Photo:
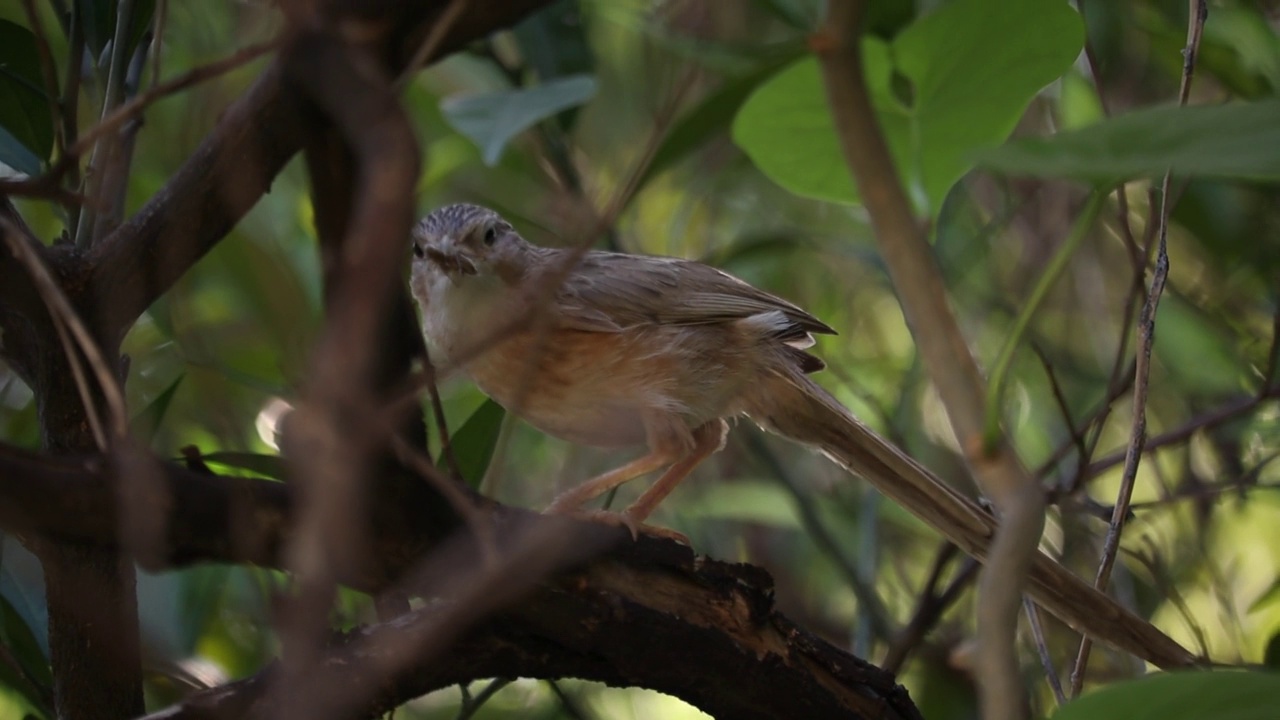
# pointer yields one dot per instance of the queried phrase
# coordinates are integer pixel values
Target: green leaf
(16, 155)
(553, 43)
(1191, 695)
(24, 107)
(491, 120)
(1236, 140)
(952, 82)
(713, 115)
(473, 443)
(19, 640)
(146, 423)
(271, 466)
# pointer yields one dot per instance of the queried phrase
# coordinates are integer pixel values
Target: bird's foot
(624, 519)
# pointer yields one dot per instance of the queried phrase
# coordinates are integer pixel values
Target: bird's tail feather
(790, 404)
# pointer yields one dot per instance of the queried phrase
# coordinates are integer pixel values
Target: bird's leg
(708, 439)
(570, 501)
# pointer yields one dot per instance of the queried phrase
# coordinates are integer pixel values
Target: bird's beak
(450, 257)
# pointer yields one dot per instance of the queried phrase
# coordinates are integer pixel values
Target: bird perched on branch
(611, 349)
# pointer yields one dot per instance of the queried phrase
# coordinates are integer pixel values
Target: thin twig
(1059, 396)
(428, 47)
(1199, 11)
(924, 613)
(442, 425)
(472, 704)
(1046, 659)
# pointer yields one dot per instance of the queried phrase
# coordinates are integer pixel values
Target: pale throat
(463, 310)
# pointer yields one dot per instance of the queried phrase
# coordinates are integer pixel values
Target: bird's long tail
(790, 404)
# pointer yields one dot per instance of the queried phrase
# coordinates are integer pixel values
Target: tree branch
(232, 169)
(647, 614)
(922, 293)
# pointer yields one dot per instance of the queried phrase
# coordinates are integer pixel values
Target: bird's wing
(609, 292)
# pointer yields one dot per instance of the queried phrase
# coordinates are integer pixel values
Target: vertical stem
(945, 354)
(1198, 13)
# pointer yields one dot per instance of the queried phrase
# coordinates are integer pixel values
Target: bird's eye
(490, 236)
(417, 251)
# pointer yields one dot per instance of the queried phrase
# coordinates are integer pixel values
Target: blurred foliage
(651, 146)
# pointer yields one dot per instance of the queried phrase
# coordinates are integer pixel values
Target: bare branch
(1146, 333)
(922, 293)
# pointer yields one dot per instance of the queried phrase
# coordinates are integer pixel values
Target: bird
(632, 350)
(615, 349)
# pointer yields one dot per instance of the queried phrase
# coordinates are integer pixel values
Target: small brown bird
(640, 350)
(613, 349)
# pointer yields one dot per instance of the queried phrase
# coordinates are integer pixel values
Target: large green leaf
(952, 82)
(26, 125)
(491, 120)
(1221, 695)
(1236, 140)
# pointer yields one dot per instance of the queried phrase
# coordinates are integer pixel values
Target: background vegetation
(699, 129)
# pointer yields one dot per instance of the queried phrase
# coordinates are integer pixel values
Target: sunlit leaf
(1191, 695)
(1236, 140)
(491, 120)
(271, 466)
(952, 82)
(25, 118)
(473, 443)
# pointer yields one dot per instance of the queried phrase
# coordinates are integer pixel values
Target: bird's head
(468, 240)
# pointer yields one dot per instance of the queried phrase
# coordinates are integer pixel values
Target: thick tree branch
(647, 614)
(697, 629)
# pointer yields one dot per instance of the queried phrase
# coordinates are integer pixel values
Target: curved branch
(700, 630)
(231, 170)
(646, 614)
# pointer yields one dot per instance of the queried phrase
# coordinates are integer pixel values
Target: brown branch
(324, 433)
(1146, 332)
(922, 293)
(647, 614)
(700, 630)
